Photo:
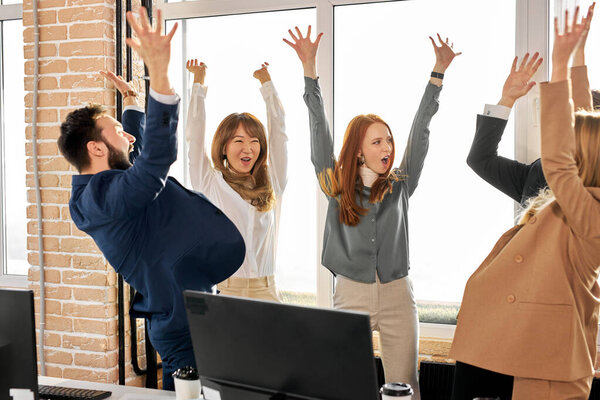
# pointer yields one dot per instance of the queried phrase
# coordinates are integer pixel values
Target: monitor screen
(17, 342)
(282, 350)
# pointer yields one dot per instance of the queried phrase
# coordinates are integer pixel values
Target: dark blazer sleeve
(134, 123)
(508, 176)
(124, 195)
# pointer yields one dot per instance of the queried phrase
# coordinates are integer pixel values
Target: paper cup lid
(186, 373)
(396, 389)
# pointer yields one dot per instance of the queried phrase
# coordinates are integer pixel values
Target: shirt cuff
(267, 89)
(134, 108)
(199, 89)
(169, 99)
(497, 111)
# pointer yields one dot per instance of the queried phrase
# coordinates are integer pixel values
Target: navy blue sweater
(161, 237)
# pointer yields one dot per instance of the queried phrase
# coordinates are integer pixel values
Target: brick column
(76, 41)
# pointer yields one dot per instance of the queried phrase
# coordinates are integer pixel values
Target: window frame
(8, 12)
(531, 34)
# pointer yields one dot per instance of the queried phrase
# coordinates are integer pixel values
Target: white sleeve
(277, 138)
(200, 168)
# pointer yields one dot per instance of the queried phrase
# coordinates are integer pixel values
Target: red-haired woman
(365, 242)
(246, 179)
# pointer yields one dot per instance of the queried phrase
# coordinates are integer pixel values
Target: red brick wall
(77, 39)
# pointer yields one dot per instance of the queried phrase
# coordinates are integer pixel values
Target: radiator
(435, 380)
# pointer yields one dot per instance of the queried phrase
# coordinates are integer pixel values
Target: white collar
(367, 175)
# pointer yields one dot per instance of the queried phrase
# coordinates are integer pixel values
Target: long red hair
(344, 182)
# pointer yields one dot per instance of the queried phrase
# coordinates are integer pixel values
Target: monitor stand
(231, 391)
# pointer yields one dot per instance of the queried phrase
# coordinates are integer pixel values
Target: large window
(376, 57)
(13, 232)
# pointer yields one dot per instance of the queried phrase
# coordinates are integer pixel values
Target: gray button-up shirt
(380, 241)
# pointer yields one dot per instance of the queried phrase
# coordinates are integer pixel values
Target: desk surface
(118, 391)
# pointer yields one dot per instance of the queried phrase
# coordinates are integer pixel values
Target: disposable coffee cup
(187, 383)
(396, 391)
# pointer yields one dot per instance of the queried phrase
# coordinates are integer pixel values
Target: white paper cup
(396, 391)
(187, 389)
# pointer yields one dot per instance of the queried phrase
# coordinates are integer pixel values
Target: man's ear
(96, 148)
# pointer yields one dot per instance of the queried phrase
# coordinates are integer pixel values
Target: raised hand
(198, 69)
(444, 54)
(568, 42)
(153, 47)
(127, 90)
(579, 57)
(262, 74)
(306, 50)
(119, 83)
(519, 81)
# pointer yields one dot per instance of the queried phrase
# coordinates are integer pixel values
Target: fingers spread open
(292, 35)
(318, 39)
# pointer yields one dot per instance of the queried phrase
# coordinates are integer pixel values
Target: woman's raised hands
(574, 35)
(444, 54)
(305, 49)
(262, 74)
(198, 69)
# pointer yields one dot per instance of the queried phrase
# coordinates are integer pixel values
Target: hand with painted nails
(262, 74)
(198, 69)
(153, 47)
(444, 54)
(566, 43)
(519, 81)
(306, 50)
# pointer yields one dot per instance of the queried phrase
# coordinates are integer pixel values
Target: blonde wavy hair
(255, 187)
(587, 159)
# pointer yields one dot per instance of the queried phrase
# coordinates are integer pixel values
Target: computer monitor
(268, 350)
(17, 342)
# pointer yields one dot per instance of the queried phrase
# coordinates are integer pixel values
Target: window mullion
(325, 20)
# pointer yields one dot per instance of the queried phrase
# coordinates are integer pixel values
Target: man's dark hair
(596, 99)
(78, 129)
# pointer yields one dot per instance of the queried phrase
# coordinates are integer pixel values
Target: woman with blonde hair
(246, 179)
(365, 242)
(529, 315)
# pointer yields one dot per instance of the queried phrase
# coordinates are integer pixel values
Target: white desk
(118, 391)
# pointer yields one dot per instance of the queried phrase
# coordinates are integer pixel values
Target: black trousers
(471, 382)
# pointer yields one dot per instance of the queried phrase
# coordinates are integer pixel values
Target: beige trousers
(527, 389)
(262, 288)
(393, 313)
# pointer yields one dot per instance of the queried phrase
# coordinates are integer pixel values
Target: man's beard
(117, 159)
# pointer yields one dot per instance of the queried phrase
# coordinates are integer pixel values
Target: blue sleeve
(134, 123)
(125, 194)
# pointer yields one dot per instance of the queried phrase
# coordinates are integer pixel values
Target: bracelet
(129, 93)
(437, 75)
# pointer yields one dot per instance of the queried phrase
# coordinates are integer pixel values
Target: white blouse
(259, 229)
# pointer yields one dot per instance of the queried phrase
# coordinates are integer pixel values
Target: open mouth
(246, 161)
(385, 160)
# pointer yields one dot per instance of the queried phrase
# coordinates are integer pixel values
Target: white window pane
(383, 58)
(14, 149)
(233, 47)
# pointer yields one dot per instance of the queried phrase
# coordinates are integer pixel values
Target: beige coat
(531, 309)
